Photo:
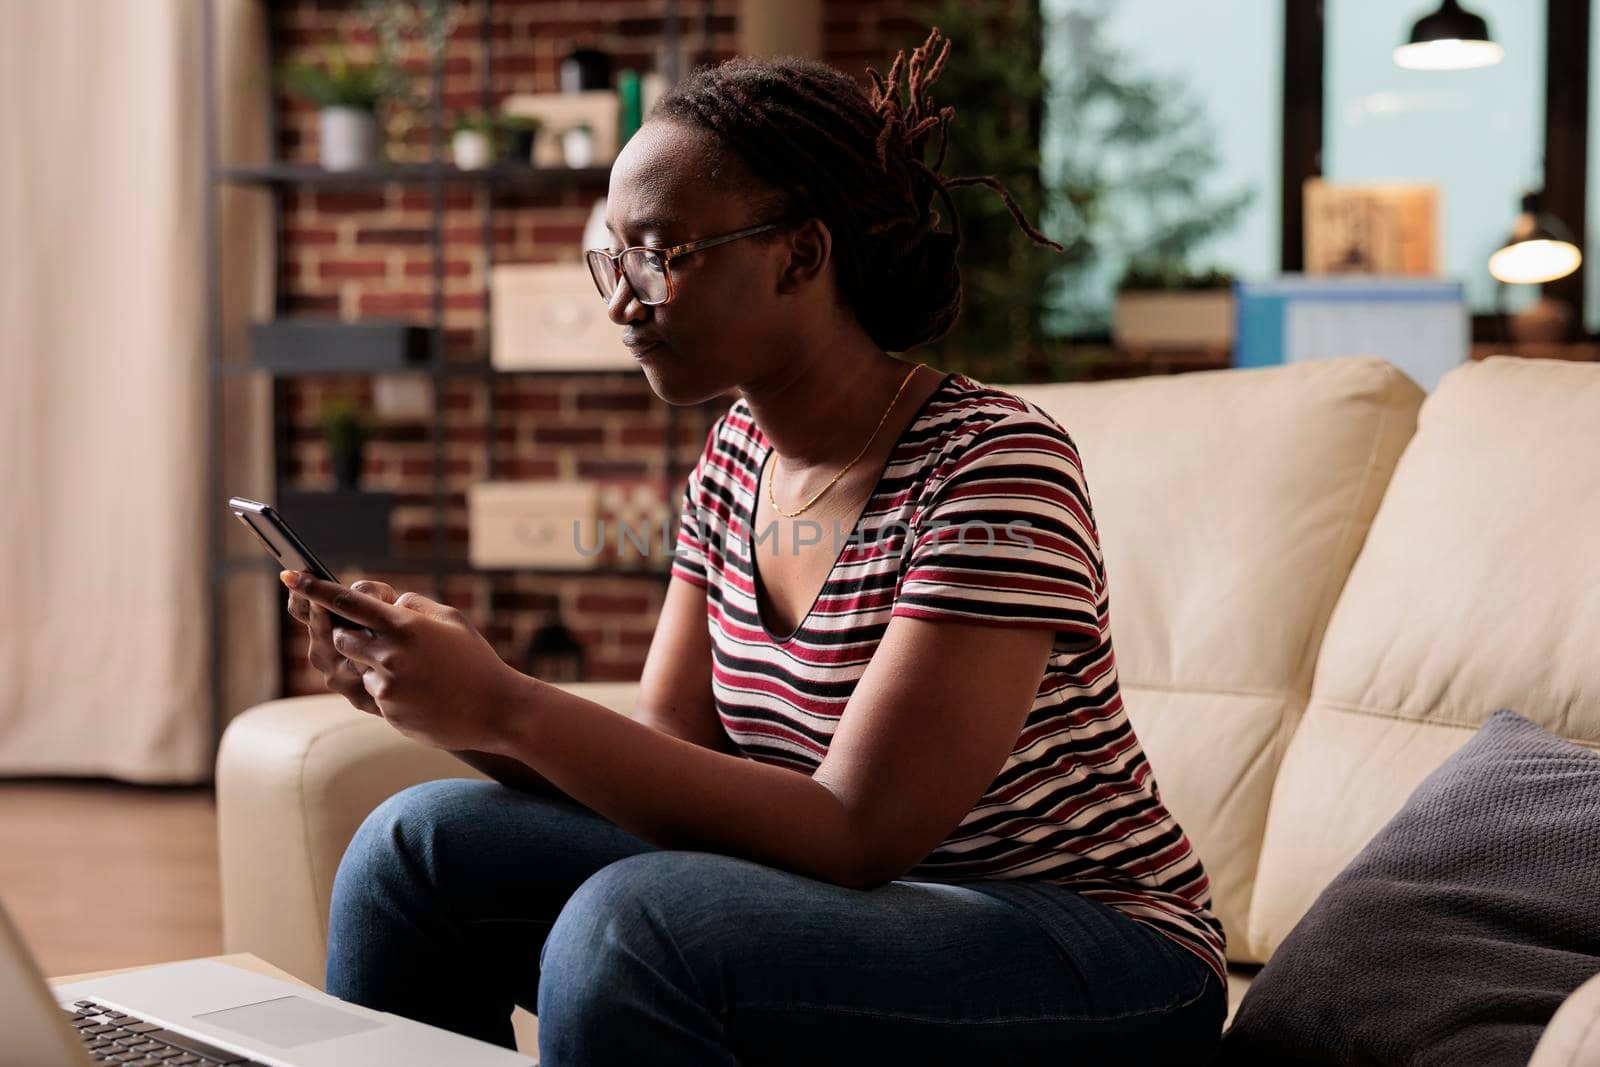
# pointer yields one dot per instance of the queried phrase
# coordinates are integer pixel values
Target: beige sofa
(1315, 600)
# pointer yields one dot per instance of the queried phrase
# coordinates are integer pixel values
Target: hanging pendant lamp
(1449, 39)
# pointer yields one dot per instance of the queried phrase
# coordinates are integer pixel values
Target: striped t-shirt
(1075, 802)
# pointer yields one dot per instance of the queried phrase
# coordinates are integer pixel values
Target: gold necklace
(773, 478)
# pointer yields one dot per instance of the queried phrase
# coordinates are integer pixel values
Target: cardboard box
(534, 524)
(549, 316)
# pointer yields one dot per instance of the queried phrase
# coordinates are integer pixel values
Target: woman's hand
(338, 674)
(424, 668)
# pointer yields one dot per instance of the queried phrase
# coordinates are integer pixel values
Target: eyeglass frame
(676, 252)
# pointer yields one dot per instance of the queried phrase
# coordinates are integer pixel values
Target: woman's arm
(923, 735)
(674, 691)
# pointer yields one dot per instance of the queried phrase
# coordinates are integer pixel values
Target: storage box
(312, 344)
(1421, 326)
(549, 316)
(534, 524)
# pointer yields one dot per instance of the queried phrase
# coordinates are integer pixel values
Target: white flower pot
(349, 138)
(577, 147)
(472, 149)
(1200, 318)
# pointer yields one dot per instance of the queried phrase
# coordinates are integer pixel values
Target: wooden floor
(99, 875)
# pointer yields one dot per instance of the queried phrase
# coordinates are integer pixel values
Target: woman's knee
(633, 942)
(399, 839)
(648, 910)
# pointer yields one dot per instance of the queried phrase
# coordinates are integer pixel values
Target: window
(1160, 139)
(1588, 241)
(1478, 133)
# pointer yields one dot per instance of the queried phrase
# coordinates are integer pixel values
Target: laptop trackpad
(288, 1022)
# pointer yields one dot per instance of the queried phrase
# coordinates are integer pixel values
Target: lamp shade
(1449, 39)
(1540, 248)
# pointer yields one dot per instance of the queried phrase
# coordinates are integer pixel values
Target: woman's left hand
(432, 675)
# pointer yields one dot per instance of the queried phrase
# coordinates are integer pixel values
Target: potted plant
(1161, 304)
(518, 133)
(473, 141)
(346, 430)
(348, 95)
(577, 145)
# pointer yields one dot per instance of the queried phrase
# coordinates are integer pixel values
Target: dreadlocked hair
(853, 158)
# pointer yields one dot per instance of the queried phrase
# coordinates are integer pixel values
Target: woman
(880, 802)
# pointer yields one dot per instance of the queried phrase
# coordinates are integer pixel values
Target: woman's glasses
(648, 269)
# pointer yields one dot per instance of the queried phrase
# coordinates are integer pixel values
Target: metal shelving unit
(436, 176)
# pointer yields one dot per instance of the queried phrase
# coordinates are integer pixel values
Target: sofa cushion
(1458, 931)
(1476, 590)
(1231, 505)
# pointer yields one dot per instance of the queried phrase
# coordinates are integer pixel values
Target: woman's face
(732, 309)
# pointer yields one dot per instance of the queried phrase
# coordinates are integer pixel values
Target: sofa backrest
(1478, 588)
(1231, 505)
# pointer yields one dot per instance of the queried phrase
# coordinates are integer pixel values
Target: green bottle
(631, 99)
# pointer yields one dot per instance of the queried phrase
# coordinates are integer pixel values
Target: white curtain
(105, 660)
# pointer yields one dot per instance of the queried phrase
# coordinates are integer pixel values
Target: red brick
(635, 401)
(553, 233)
(473, 235)
(352, 268)
(569, 435)
(612, 468)
(613, 603)
(308, 236)
(306, 304)
(393, 235)
(339, 200)
(651, 436)
(455, 196)
(519, 468)
(394, 303)
(528, 401)
(453, 268)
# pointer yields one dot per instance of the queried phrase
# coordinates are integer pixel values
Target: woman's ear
(808, 248)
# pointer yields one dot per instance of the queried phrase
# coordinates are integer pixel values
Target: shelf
(501, 175)
(243, 565)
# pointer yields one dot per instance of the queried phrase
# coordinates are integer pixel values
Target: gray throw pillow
(1460, 928)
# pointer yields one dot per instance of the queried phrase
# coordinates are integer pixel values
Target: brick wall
(364, 252)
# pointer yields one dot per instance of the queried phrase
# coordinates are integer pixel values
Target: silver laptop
(212, 1014)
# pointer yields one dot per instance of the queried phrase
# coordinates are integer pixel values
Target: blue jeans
(458, 899)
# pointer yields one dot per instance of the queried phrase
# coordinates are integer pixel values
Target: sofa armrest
(295, 778)
(1573, 1037)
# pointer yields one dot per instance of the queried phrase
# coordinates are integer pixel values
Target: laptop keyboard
(115, 1037)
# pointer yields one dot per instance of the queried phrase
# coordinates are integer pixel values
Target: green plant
(345, 427)
(519, 123)
(994, 81)
(475, 121)
(1128, 160)
(412, 33)
(340, 82)
(1167, 276)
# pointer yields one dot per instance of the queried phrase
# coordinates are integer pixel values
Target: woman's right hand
(339, 674)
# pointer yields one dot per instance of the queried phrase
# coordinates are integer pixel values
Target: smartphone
(285, 546)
